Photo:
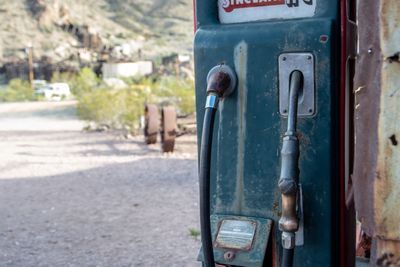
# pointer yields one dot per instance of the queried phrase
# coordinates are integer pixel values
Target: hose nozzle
(289, 178)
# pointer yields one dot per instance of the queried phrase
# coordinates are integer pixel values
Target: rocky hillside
(60, 29)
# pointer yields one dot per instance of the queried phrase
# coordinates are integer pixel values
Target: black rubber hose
(296, 83)
(287, 257)
(204, 181)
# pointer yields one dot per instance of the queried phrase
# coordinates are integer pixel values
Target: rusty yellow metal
(387, 188)
(378, 128)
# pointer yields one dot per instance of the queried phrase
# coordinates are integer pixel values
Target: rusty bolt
(323, 39)
(229, 255)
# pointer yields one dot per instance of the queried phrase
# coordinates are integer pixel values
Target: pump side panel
(246, 160)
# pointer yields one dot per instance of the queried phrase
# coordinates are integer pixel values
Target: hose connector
(221, 81)
(288, 240)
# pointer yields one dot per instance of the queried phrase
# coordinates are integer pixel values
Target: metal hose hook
(221, 81)
(289, 178)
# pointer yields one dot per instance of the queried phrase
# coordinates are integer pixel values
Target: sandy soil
(73, 198)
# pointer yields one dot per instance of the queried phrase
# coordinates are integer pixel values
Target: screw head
(284, 58)
(324, 39)
(229, 255)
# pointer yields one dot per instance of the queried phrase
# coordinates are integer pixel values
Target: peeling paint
(388, 256)
(240, 58)
(387, 189)
(377, 168)
(359, 89)
(390, 27)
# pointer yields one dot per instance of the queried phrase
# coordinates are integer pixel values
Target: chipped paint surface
(387, 256)
(390, 27)
(377, 168)
(240, 57)
(367, 108)
(387, 188)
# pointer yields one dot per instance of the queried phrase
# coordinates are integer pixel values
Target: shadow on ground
(129, 214)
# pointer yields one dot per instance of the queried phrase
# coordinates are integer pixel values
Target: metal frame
(303, 62)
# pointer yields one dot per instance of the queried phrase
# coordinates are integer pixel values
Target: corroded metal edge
(377, 172)
(367, 94)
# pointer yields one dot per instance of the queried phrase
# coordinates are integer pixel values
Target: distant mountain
(60, 29)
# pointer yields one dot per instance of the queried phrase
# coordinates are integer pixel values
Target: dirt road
(73, 198)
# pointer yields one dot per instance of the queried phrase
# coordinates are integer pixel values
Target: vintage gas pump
(268, 94)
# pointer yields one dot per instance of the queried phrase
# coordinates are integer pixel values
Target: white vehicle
(55, 91)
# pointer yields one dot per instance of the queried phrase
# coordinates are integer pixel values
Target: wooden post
(30, 65)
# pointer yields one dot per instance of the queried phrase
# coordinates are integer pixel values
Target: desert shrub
(80, 83)
(179, 92)
(84, 82)
(17, 90)
(123, 107)
(116, 108)
(97, 106)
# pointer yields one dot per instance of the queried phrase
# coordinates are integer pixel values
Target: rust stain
(388, 253)
(390, 27)
(387, 189)
(367, 108)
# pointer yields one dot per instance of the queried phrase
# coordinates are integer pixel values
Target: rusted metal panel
(377, 169)
(367, 92)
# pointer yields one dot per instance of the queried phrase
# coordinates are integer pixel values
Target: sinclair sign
(234, 11)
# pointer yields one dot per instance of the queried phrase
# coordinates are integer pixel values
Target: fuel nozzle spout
(289, 177)
(221, 81)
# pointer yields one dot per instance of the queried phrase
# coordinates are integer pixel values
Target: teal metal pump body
(249, 126)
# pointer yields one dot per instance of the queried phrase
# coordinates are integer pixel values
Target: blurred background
(97, 133)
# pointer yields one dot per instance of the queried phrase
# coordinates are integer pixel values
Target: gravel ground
(73, 198)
